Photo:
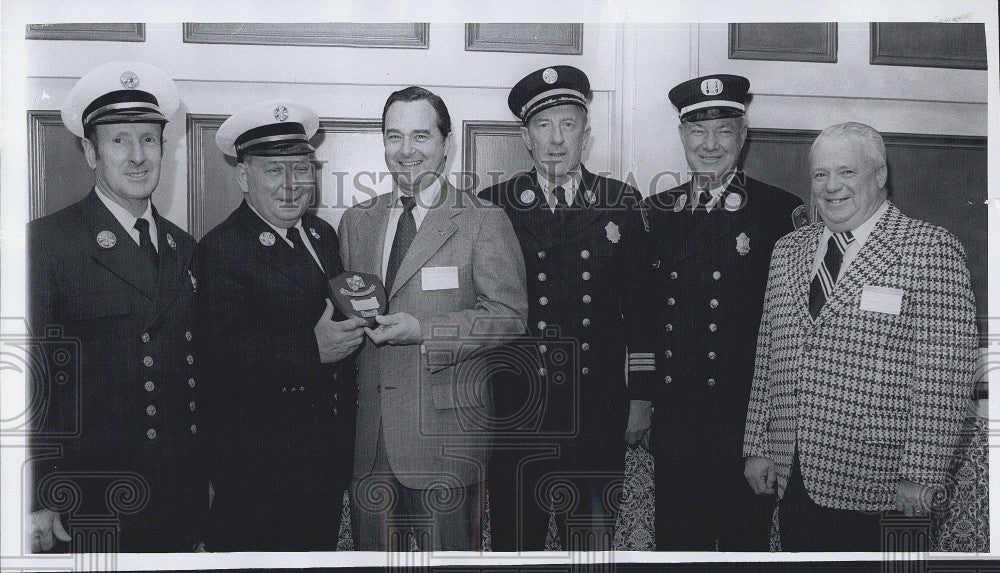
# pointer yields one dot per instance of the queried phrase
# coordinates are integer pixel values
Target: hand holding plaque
(359, 294)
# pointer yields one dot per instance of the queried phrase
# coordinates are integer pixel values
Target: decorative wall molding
(343, 34)
(95, 31)
(493, 151)
(525, 38)
(930, 45)
(58, 174)
(787, 42)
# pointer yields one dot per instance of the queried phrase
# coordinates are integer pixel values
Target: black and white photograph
(618, 285)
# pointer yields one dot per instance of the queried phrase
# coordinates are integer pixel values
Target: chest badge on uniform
(743, 244)
(589, 197)
(171, 242)
(681, 201)
(733, 201)
(266, 238)
(106, 239)
(527, 196)
(314, 233)
(194, 281)
(614, 235)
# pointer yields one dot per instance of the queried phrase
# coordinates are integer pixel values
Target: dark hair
(415, 93)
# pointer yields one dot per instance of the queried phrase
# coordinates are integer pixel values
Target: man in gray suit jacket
(455, 284)
(865, 358)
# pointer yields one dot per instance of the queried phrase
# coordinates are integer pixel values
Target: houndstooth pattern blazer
(870, 397)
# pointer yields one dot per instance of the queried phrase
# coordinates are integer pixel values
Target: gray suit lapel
(435, 229)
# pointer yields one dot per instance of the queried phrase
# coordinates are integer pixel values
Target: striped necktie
(826, 277)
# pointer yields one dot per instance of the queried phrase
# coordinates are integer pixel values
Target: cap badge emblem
(550, 76)
(743, 244)
(281, 113)
(527, 196)
(106, 239)
(129, 80)
(711, 87)
(614, 235)
(267, 238)
(589, 196)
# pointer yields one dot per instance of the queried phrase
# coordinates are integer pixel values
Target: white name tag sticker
(438, 278)
(882, 299)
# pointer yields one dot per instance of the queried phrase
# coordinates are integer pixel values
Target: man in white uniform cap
(115, 280)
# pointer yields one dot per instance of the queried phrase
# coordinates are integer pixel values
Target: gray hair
(866, 134)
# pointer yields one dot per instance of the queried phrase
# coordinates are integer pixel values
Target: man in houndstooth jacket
(864, 360)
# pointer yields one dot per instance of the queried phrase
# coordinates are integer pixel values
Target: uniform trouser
(703, 501)
(525, 492)
(388, 516)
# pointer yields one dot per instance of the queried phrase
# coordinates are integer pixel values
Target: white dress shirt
(860, 236)
(283, 233)
(128, 220)
(425, 199)
(570, 187)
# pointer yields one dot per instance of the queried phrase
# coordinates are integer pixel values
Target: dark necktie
(826, 277)
(560, 195)
(145, 243)
(406, 229)
(301, 251)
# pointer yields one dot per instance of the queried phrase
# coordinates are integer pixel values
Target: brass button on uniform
(586, 299)
(151, 410)
(149, 386)
(148, 361)
(541, 254)
(673, 274)
(668, 353)
(542, 348)
(151, 434)
(194, 428)
(669, 327)
(190, 359)
(716, 275)
(542, 277)
(585, 346)
(586, 322)
(585, 371)
(671, 301)
(711, 356)
(191, 382)
(713, 327)
(542, 371)
(586, 275)
(714, 303)
(585, 254)
(541, 325)
(711, 381)
(145, 337)
(187, 335)
(667, 379)
(334, 410)
(191, 406)
(543, 301)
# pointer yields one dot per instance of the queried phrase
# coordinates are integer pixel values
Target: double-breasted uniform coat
(564, 402)
(282, 420)
(710, 271)
(119, 395)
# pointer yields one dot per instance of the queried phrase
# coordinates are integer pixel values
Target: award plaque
(359, 294)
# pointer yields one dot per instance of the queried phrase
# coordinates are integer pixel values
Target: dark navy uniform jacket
(125, 404)
(588, 316)
(282, 421)
(710, 274)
